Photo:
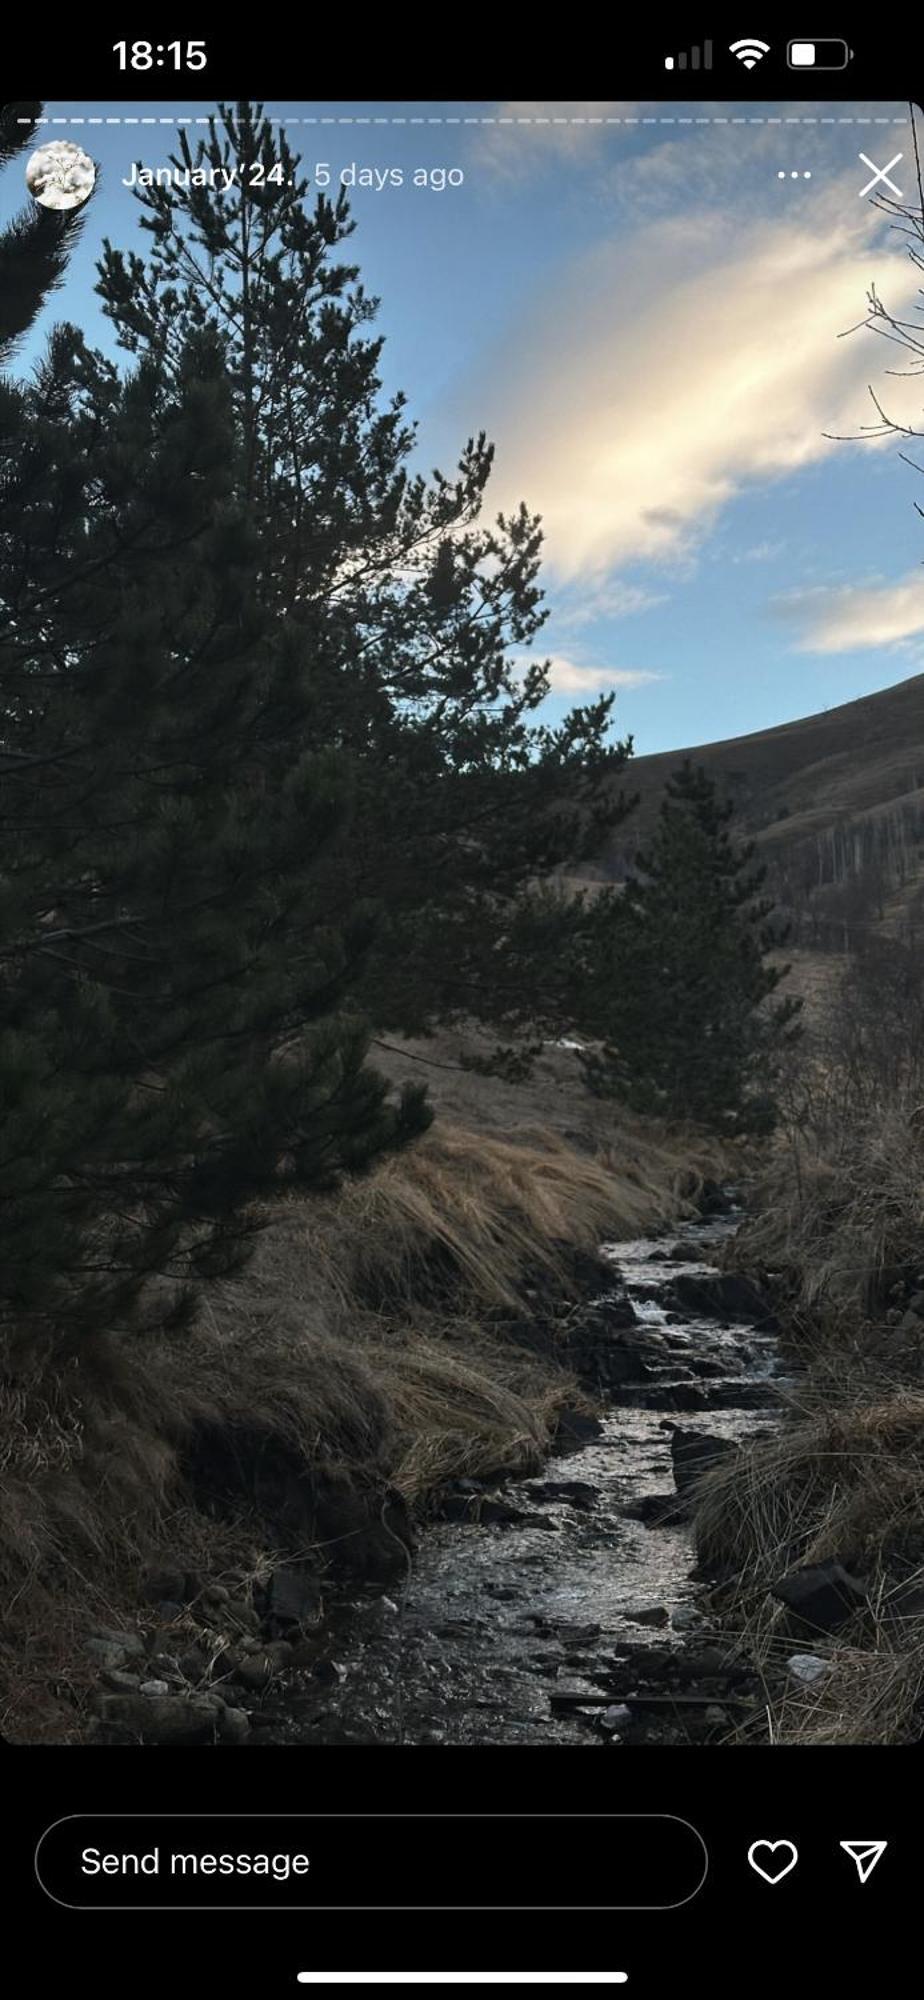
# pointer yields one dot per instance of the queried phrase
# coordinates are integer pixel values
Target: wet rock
(575, 1429)
(727, 1296)
(233, 1725)
(370, 1532)
(808, 1668)
(305, 1652)
(131, 1642)
(588, 1270)
(294, 1597)
(378, 1614)
(686, 1618)
(107, 1652)
(646, 1663)
(457, 1507)
(119, 1681)
(741, 1394)
(194, 1664)
(241, 1615)
(258, 1669)
(155, 1688)
(615, 1719)
(160, 1664)
(680, 1396)
(172, 1719)
(573, 1492)
(215, 1597)
(648, 1614)
(820, 1597)
(500, 1514)
(694, 1453)
(327, 1672)
(615, 1313)
(706, 1664)
(605, 1359)
(714, 1200)
(655, 1509)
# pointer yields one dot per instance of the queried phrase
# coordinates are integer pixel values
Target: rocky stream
(562, 1608)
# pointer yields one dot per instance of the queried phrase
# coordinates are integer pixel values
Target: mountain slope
(835, 803)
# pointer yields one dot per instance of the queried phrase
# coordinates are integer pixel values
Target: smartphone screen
(461, 1023)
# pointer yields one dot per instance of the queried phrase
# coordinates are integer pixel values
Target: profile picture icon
(60, 174)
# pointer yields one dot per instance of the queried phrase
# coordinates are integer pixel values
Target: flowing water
(505, 1622)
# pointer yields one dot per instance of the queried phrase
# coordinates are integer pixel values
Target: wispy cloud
(853, 617)
(570, 677)
(614, 598)
(664, 375)
(760, 552)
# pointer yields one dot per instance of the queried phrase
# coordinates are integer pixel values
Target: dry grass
(842, 1215)
(848, 1484)
(364, 1347)
(475, 1214)
(873, 1694)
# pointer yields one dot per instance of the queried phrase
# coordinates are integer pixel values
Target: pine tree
(682, 981)
(416, 610)
(35, 246)
(178, 1038)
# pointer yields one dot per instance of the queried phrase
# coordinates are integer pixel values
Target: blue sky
(647, 319)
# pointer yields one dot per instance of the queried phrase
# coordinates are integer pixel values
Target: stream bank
(565, 1608)
(561, 1608)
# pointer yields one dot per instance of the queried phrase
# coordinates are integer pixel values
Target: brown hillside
(835, 802)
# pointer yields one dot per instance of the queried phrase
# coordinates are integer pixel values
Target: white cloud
(568, 677)
(850, 618)
(663, 375)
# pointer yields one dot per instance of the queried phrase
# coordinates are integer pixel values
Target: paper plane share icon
(865, 1853)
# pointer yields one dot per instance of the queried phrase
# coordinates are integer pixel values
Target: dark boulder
(820, 1597)
(572, 1492)
(655, 1509)
(713, 1199)
(294, 1597)
(164, 1585)
(727, 1296)
(179, 1719)
(694, 1453)
(574, 1429)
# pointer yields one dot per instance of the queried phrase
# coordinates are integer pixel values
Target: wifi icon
(749, 50)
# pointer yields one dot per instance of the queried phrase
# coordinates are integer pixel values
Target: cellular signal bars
(697, 58)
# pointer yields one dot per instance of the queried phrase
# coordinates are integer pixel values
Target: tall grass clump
(840, 1223)
(363, 1358)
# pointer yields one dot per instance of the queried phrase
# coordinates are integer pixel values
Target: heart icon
(779, 1857)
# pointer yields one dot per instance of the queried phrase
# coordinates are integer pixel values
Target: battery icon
(829, 54)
